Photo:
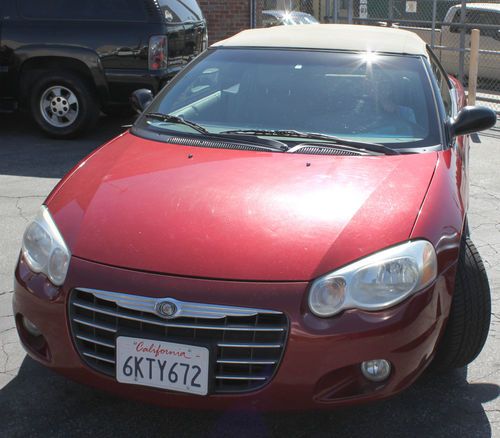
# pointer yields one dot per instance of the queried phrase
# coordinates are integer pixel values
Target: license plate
(165, 365)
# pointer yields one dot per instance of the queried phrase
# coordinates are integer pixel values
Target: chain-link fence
(444, 24)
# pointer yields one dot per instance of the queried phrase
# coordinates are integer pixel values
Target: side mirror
(140, 99)
(472, 119)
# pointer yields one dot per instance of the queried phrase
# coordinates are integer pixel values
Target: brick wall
(226, 17)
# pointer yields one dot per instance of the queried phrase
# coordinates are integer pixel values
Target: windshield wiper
(264, 144)
(178, 120)
(337, 141)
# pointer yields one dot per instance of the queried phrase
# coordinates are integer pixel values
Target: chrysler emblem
(166, 309)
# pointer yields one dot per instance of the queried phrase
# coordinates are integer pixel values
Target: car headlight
(44, 248)
(375, 282)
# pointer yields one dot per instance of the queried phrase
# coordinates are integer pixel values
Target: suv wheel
(470, 313)
(63, 104)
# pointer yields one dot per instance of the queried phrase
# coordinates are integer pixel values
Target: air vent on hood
(186, 141)
(316, 149)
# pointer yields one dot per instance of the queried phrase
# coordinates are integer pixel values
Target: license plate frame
(124, 343)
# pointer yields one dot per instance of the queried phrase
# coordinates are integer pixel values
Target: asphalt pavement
(36, 402)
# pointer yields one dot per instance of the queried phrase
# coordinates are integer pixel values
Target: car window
(305, 19)
(293, 19)
(485, 17)
(181, 11)
(130, 10)
(443, 84)
(309, 19)
(479, 17)
(269, 20)
(387, 99)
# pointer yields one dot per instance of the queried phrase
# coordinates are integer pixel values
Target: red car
(284, 227)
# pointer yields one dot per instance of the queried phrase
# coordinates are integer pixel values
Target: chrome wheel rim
(59, 106)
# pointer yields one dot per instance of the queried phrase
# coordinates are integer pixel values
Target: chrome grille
(248, 348)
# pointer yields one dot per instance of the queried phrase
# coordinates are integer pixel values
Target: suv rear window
(128, 10)
(181, 11)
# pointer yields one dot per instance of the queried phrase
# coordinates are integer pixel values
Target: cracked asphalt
(36, 402)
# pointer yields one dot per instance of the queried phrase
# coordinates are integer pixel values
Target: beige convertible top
(331, 37)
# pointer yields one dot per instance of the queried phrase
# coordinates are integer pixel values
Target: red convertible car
(284, 227)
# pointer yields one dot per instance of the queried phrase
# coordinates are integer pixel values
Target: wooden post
(473, 66)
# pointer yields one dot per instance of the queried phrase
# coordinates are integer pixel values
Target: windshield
(364, 97)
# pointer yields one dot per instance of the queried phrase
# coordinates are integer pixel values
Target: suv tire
(63, 104)
(470, 313)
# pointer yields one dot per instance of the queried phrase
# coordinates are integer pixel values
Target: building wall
(226, 17)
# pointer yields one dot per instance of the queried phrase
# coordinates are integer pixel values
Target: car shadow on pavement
(25, 151)
(493, 132)
(40, 403)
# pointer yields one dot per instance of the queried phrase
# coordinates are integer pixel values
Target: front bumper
(320, 366)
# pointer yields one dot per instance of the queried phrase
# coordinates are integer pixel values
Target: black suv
(66, 60)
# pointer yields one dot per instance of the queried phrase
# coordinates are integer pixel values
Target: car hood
(228, 214)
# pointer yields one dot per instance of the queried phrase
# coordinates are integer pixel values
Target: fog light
(31, 328)
(376, 370)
